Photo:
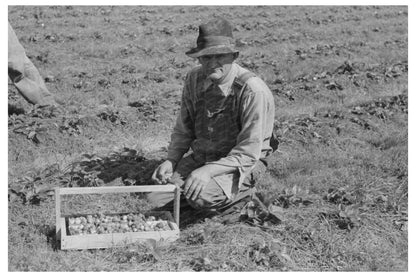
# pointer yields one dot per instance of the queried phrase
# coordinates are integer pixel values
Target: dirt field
(339, 180)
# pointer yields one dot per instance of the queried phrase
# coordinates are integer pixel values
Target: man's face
(216, 67)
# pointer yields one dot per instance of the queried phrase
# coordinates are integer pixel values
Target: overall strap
(240, 81)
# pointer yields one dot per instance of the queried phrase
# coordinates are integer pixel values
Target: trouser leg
(211, 197)
(24, 75)
(34, 90)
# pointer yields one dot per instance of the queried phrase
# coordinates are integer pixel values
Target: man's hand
(163, 172)
(196, 182)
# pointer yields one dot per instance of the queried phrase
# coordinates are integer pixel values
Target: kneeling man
(226, 119)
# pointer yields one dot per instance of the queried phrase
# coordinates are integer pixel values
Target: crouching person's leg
(211, 197)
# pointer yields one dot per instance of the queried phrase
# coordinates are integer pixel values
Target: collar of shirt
(225, 85)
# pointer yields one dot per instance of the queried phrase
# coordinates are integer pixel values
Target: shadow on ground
(126, 167)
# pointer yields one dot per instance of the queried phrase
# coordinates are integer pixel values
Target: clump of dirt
(383, 108)
(148, 108)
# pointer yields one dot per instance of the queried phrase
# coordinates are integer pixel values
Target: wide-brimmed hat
(215, 37)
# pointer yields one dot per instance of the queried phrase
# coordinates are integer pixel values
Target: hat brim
(214, 50)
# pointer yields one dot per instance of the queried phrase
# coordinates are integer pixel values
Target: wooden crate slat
(57, 214)
(96, 241)
(116, 189)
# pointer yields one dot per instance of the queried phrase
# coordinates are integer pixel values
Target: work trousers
(24, 75)
(212, 196)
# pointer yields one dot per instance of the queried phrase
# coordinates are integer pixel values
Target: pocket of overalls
(217, 126)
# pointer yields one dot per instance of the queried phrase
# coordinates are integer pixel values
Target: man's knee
(211, 197)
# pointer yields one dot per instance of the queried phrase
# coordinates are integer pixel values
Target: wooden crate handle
(114, 189)
(58, 213)
(176, 204)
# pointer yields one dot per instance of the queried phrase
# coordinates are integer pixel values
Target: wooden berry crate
(94, 241)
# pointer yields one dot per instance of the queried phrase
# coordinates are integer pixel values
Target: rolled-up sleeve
(183, 132)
